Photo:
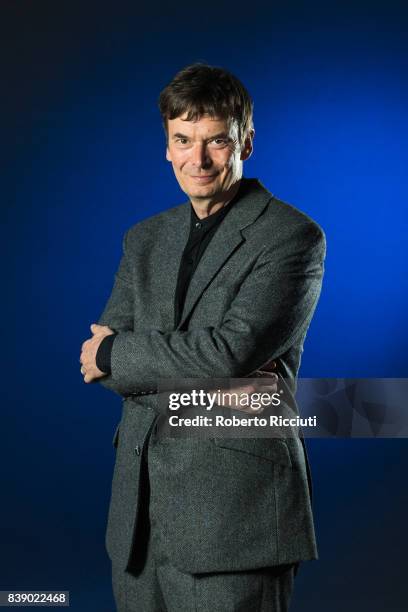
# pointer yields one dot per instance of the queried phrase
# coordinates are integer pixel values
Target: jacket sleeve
(270, 312)
(119, 310)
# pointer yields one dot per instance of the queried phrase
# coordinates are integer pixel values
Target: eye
(220, 142)
(181, 141)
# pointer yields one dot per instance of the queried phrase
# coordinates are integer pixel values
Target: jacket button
(137, 449)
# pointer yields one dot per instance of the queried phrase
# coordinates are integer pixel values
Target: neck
(204, 208)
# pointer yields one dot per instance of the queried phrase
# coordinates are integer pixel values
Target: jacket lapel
(253, 198)
(166, 259)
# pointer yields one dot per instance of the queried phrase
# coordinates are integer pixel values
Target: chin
(201, 192)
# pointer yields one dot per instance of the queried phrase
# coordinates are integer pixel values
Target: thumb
(94, 327)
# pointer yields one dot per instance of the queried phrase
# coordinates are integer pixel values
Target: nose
(200, 157)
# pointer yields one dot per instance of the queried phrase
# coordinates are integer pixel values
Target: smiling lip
(204, 179)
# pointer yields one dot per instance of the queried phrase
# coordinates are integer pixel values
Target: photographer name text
(234, 421)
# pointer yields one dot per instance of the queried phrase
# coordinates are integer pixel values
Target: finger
(266, 393)
(95, 328)
(265, 383)
(88, 378)
(266, 386)
(265, 374)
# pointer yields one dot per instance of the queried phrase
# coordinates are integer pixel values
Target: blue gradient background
(84, 160)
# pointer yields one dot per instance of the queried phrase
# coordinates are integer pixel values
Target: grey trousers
(160, 587)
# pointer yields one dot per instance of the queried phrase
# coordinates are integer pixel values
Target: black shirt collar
(215, 218)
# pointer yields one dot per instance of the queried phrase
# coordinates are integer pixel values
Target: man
(221, 286)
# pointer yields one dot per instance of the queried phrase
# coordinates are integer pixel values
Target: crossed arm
(271, 311)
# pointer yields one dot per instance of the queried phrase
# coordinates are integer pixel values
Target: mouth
(203, 179)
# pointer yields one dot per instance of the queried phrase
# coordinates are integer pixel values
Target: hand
(263, 382)
(89, 369)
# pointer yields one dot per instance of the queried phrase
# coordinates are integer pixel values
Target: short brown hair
(200, 89)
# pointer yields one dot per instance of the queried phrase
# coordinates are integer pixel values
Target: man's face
(206, 156)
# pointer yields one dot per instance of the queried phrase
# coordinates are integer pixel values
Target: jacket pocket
(270, 449)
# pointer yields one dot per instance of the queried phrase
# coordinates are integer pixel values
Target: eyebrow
(220, 135)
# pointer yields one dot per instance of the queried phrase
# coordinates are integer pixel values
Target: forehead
(203, 126)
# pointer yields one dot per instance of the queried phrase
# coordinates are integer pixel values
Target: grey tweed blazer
(219, 504)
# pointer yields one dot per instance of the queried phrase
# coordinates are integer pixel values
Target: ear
(168, 156)
(248, 146)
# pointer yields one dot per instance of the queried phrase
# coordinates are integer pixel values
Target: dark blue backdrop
(85, 160)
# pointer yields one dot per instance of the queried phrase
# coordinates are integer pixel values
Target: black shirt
(201, 233)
